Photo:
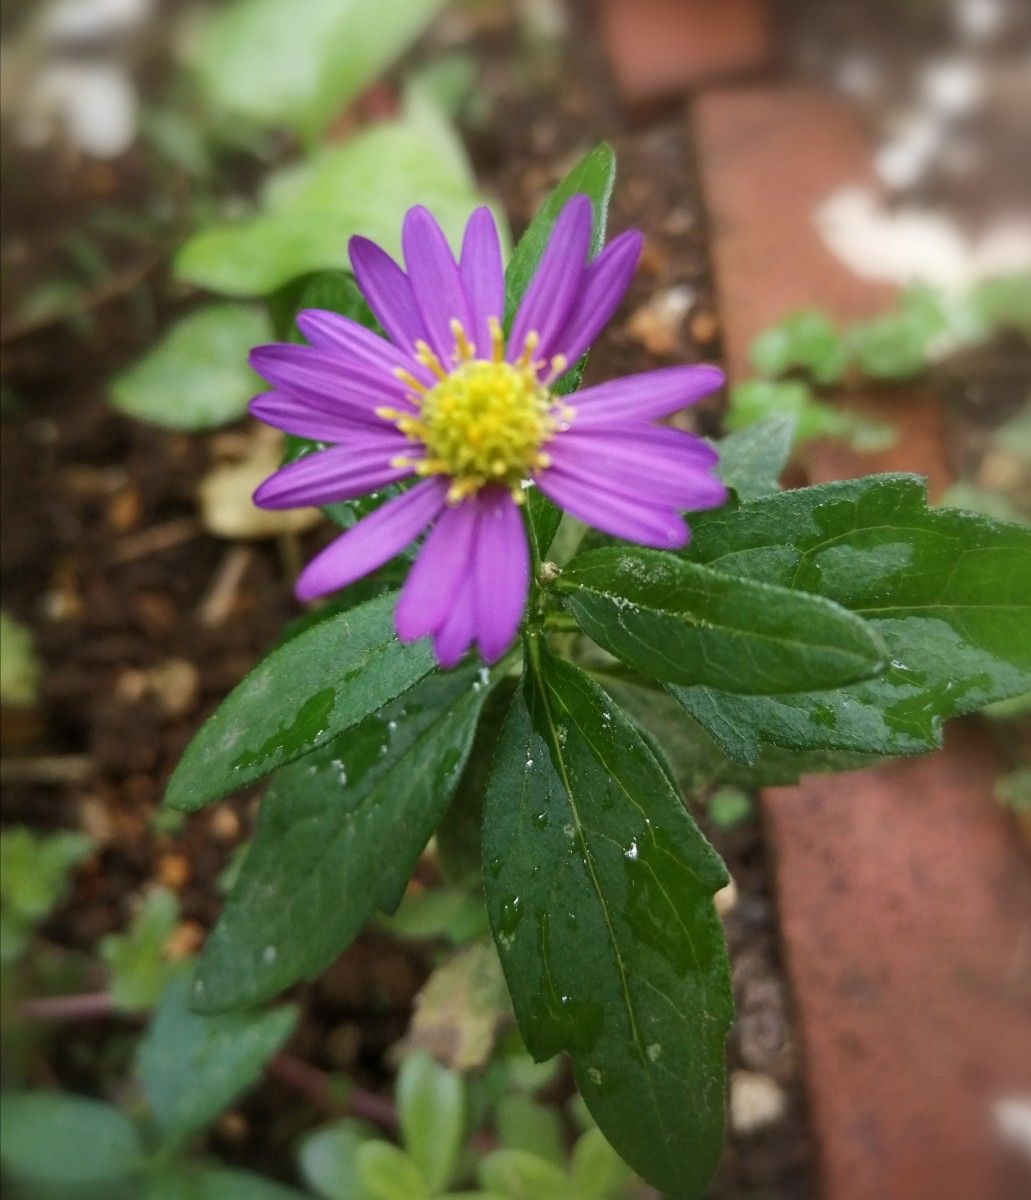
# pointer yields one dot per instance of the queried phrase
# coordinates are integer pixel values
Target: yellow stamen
(429, 360)
(464, 349)
(497, 340)
(410, 382)
(486, 421)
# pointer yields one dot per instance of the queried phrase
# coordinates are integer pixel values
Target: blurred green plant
(299, 64)
(20, 668)
(139, 969)
(812, 352)
(35, 877)
(58, 1146)
(197, 376)
(307, 212)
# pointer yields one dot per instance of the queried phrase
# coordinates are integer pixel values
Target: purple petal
(456, 634)
(303, 419)
(638, 471)
(483, 276)
(502, 572)
(327, 476)
(436, 283)
(375, 539)
(615, 514)
(605, 283)
(646, 396)
(429, 591)
(558, 280)
(663, 440)
(327, 330)
(326, 379)
(387, 291)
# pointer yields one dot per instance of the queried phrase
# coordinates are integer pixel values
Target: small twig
(111, 290)
(318, 1087)
(155, 539)
(220, 597)
(90, 1006)
(56, 769)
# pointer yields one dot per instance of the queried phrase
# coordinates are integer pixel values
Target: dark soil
(104, 557)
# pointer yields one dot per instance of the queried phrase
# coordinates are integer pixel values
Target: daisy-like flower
(470, 415)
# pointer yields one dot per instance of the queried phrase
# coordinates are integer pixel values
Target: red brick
(768, 157)
(904, 899)
(661, 48)
(921, 442)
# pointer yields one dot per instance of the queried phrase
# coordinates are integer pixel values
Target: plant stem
(90, 1006)
(319, 1087)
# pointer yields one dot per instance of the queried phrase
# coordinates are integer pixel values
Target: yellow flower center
(486, 420)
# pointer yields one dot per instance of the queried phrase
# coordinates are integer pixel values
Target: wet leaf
(338, 836)
(309, 689)
(300, 64)
(307, 213)
(685, 623)
(949, 593)
(599, 888)
(752, 459)
(593, 176)
(197, 376)
(192, 1067)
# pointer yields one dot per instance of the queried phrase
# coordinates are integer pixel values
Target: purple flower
(471, 416)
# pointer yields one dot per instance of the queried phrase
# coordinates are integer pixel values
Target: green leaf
(752, 459)
(338, 835)
(328, 1160)
(523, 1176)
(321, 682)
(596, 1169)
(197, 376)
(696, 758)
(300, 64)
(431, 1109)
(686, 623)
(599, 888)
(948, 592)
(755, 400)
(62, 1142)
(523, 1124)
(309, 212)
(20, 668)
(139, 970)
(593, 176)
(193, 1067)
(805, 340)
(439, 912)
(389, 1174)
